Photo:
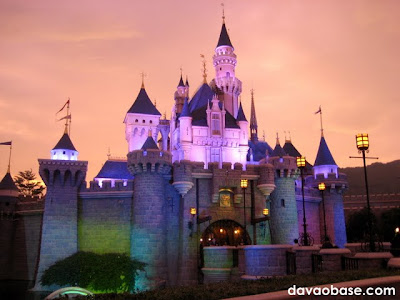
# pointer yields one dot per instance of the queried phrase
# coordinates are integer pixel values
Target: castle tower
(244, 135)
(284, 221)
(185, 132)
(253, 121)
(181, 93)
(227, 86)
(142, 118)
(64, 150)
(63, 178)
(151, 168)
(325, 170)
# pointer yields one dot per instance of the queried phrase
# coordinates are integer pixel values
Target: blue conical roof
(224, 39)
(65, 143)
(143, 105)
(240, 115)
(185, 110)
(149, 144)
(324, 156)
(290, 149)
(201, 97)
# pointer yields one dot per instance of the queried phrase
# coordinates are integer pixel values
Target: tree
(357, 225)
(28, 184)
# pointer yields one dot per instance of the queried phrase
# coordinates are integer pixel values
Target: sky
(296, 55)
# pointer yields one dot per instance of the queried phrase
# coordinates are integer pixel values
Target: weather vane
(223, 12)
(143, 75)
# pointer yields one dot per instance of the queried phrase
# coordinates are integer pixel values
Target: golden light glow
(265, 211)
(236, 231)
(243, 183)
(221, 230)
(362, 141)
(397, 230)
(321, 186)
(301, 161)
(193, 211)
(201, 240)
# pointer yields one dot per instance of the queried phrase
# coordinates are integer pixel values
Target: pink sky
(297, 55)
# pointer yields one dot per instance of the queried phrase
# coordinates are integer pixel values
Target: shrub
(110, 272)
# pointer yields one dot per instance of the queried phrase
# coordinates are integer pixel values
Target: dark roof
(187, 82)
(278, 151)
(258, 150)
(201, 97)
(185, 110)
(324, 156)
(241, 116)
(290, 149)
(200, 118)
(115, 169)
(149, 144)
(143, 105)
(65, 143)
(181, 82)
(8, 183)
(224, 39)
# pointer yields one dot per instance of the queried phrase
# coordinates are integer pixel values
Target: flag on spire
(66, 103)
(319, 111)
(6, 143)
(67, 117)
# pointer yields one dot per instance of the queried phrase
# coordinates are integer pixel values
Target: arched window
(215, 124)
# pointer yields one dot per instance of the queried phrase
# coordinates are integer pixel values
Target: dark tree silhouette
(27, 183)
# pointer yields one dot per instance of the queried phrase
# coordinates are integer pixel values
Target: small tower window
(73, 153)
(151, 122)
(136, 120)
(283, 202)
(144, 121)
(63, 152)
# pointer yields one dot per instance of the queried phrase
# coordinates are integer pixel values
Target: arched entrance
(225, 233)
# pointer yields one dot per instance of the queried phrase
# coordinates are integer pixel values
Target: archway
(225, 233)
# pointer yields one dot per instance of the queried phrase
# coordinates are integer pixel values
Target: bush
(111, 272)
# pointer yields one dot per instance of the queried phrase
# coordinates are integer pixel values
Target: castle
(176, 195)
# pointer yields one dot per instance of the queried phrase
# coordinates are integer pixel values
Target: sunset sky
(297, 55)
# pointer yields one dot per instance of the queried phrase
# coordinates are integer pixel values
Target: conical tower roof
(181, 82)
(278, 151)
(240, 115)
(143, 104)
(224, 39)
(65, 143)
(324, 156)
(149, 144)
(290, 149)
(7, 183)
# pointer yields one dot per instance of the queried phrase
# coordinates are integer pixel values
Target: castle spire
(204, 68)
(253, 120)
(319, 111)
(143, 76)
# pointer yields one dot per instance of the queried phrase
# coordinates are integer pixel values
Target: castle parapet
(150, 160)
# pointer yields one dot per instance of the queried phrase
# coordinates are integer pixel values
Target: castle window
(144, 121)
(215, 154)
(151, 122)
(283, 202)
(136, 120)
(72, 153)
(215, 124)
(63, 152)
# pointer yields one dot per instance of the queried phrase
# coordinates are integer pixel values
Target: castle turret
(151, 168)
(325, 170)
(142, 118)
(244, 135)
(185, 132)
(180, 95)
(284, 221)
(225, 83)
(63, 178)
(64, 150)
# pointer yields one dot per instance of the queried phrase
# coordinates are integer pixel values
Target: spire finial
(285, 136)
(290, 137)
(9, 158)
(223, 12)
(253, 119)
(264, 135)
(143, 75)
(150, 133)
(277, 139)
(204, 68)
(319, 111)
(67, 119)
(109, 153)
(155, 102)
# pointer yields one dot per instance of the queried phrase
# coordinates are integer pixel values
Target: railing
(290, 263)
(349, 263)
(316, 263)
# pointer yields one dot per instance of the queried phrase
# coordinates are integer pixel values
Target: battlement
(62, 172)
(331, 181)
(150, 160)
(120, 185)
(284, 166)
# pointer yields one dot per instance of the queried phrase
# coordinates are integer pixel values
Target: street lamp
(301, 163)
(362, 141)
(326, 241)
(243, 185)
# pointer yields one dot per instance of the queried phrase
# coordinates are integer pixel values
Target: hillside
(382, 178)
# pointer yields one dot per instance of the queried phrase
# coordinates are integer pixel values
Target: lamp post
(301, 163)
(362, 141)
(326, 240)
(243, 185)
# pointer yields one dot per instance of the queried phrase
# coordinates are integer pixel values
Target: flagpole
(9, 159)
(66, 120)
(320, 117)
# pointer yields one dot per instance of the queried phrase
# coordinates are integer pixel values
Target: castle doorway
(225, 233)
